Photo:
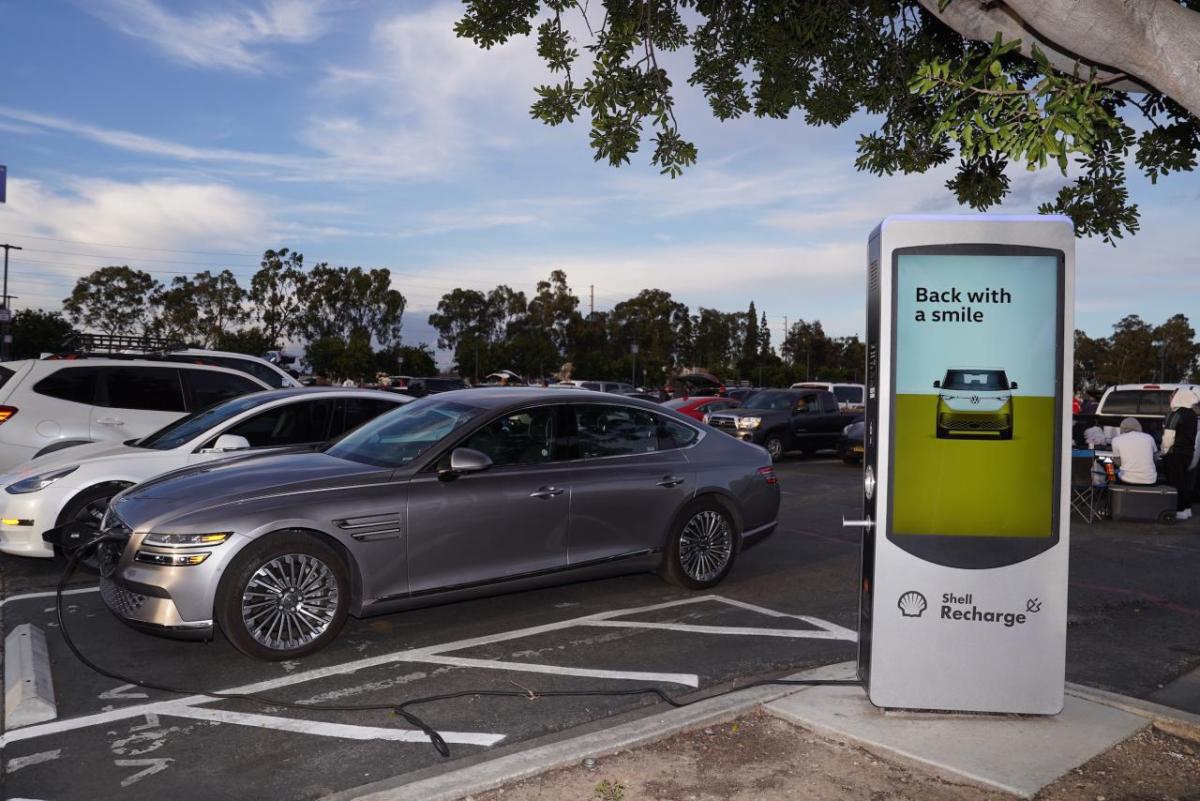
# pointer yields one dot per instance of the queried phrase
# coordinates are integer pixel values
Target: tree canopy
(987, 85)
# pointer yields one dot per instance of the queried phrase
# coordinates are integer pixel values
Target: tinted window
(614, 431)
(75, 384)
(1125, 401)
(1155, 402)
(444, 384)
(394, 439)
(524, 437)
(849, 394)
(673, 434)
(206, 387)
(984, 380)
(592, 385)
(829, 403)
(186, 428)
(5, 374)
(259, 370)
(150, 388)
(770, 401)
(806, 404)
(357, 411)
(292, 424)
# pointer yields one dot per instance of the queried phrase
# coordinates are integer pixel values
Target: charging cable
(403, 708)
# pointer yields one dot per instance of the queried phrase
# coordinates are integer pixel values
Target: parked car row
(275, 514)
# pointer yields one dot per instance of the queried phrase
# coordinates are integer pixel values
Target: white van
(850, 396)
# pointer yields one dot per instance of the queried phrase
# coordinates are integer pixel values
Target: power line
(132, 247)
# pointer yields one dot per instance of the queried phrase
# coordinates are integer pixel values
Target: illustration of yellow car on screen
(974, 402)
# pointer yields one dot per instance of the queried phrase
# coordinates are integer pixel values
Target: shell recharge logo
(963, 608)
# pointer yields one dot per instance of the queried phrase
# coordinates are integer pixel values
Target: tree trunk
(1155, 42)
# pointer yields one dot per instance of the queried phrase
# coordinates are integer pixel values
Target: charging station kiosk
(966, 506)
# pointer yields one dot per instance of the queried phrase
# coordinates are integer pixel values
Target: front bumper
(151, 609)
(25, 538)
(975, 421)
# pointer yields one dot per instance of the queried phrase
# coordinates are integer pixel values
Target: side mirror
(1013, 385)
(465, 460)
(937, 384)
(228, 442)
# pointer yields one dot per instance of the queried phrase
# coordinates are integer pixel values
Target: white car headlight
(186, 540)
(39, 481)
(749, 422)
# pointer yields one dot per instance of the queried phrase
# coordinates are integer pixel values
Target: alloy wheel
(705, 546)
(290, 601)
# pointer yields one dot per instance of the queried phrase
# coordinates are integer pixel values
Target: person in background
(1095, 437)
(1178, 445)
(1135, 450)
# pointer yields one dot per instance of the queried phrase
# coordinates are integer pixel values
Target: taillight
(768, 474)
(7, 412)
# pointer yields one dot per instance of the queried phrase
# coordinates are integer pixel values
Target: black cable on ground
(402, 708)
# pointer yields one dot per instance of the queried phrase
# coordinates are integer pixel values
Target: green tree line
(1137, 352)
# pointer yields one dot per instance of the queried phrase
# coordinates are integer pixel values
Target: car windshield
(985, 380)
(188, 428)
(396, 438)
(770, 401)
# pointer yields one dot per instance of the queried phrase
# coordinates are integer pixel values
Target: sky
(178, 137)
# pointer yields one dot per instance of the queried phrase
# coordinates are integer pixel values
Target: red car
(697, 407)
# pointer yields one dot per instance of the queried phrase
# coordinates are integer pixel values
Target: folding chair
(1085, 497)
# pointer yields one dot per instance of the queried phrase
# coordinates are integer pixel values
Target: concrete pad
(1183, 693)
(1016, 754)
(28, 687)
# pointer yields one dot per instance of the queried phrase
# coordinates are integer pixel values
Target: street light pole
(6, 315)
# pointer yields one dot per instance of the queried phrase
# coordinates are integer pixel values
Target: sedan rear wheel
(284, 597)
(702, 547)
(774, 446)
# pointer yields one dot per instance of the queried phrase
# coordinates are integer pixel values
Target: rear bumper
(756, 535)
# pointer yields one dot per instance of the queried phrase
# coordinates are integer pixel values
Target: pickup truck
(782, 420)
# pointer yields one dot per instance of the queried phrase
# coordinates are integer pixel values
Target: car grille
(119, 599)
(726, 423)
(976, 422)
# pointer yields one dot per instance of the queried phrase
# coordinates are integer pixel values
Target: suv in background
(1148, 403)
(850, 396)
(48, 404)
(784, 420)
(420, 387)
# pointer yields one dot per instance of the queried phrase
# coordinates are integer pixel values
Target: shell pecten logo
(912, 604)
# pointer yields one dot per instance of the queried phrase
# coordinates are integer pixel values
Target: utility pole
(5, 311)
(591, 300)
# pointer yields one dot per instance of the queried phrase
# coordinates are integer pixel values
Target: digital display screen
(976, 416)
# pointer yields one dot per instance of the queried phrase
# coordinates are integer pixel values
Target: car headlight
(186, 540)
(749, 422)
(39, 481)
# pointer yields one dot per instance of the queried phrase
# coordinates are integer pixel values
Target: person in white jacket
(1135, 450)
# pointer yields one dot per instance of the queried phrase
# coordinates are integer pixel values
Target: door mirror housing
(1013, 385)
(228, 442)
(465, 460)
(937, 384)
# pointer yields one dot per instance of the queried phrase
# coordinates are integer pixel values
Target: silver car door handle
(670, 481)
(110, 421)
(546, 492)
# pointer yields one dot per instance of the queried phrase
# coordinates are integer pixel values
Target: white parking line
(440, 654)
(326, 729)
(50, 594)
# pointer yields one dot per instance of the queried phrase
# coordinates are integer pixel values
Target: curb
(28, 686)
(496, 773)
(1164, 718)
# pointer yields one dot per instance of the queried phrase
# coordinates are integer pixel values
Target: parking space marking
(340, 730)
(794, 634)
(49, 594)
(686, 679)
(16, 763)
(441, 654)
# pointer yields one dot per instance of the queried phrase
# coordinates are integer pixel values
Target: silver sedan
(453, 496)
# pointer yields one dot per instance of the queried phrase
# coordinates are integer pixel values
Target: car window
(290, 424)
(262, 372)
(524, 437)
(673, 434)
(356, 411)
(75, 384)
(849, 394)
(1156, 402)
(5, 374)
(395, 439)
(592, 385)
(186, 428)
(770, 401)
(614, 431)
(149, 388)
(206, 387)
(806, 404)
(444, 384)
(982, 380)
(829, 403)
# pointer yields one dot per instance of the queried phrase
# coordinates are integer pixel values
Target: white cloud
(231, 38)
(152, 214)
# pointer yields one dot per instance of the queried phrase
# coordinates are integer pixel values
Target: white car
(49, 404)
(76, 484)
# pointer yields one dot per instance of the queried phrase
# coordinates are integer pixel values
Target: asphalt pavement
(789, 604)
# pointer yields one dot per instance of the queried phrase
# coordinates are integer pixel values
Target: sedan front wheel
(284, 597)
(702, 547)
